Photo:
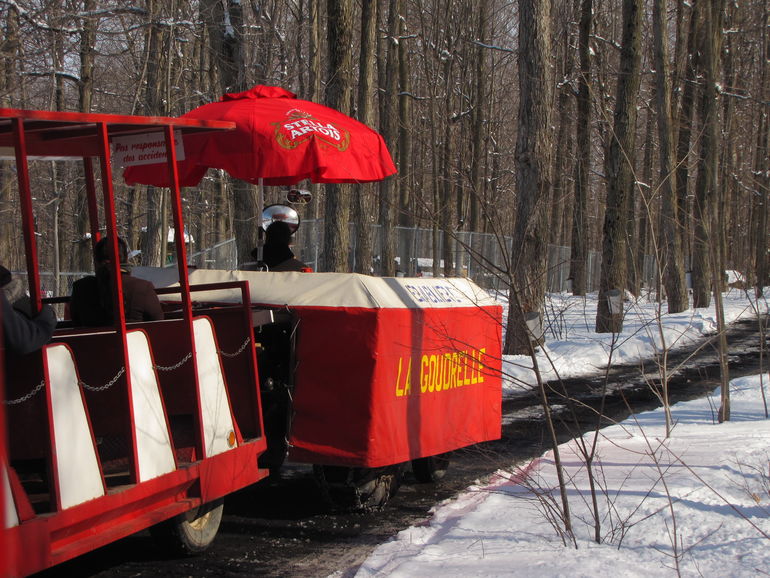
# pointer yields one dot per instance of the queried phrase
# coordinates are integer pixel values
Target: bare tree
(706, 186)
(362, 194)
(338, 91)
(533, 162)
(81, 254)
(9, 57)
(762, 165)
(673, 267)
(579, 245)
(620, 171)
(389, 122)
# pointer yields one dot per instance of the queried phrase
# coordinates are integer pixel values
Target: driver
(277, 254)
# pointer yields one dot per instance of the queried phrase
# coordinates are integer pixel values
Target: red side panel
(380, 387)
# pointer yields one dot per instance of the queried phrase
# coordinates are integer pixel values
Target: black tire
(191, 532)
(431, 469)
(358, 489)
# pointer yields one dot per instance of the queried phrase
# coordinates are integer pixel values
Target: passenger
(91, 301)
(21, 332)
(277, 254)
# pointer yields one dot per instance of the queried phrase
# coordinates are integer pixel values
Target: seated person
(277, 254)
(23, 333)
(91, 301)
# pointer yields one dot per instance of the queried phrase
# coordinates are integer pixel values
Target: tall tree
(153, 253)
(673, 261)
(406, 203)
(478, 154)
(362, 194)
(9, 56)
(706, 186)
(620, 172)
(762, 165)
(225, 22)
(579, 244)
(686, 88)
(81, 255)
(389, 124)
(533, 162)
(338, 92)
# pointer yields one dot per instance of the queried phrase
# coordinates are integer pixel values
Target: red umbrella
(278, 140)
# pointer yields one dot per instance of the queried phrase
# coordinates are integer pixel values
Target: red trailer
(112, 430)
(364, 375)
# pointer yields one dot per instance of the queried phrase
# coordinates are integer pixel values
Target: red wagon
(109, 430)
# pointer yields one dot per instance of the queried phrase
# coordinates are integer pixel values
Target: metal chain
(106, 386)
(240, 350)
(27, 397)
(114, 380)
(176, 366)
(81, 383)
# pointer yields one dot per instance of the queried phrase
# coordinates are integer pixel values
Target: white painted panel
(11, 517)
(77, 466)
(153, 442)
(215, 407)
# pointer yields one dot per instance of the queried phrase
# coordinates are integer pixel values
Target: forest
(627, 128)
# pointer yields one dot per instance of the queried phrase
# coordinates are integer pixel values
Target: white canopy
(329, 289)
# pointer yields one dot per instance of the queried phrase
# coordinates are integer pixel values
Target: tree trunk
(9, 57)
(620, 174)
(673, 262)
(684, 131)
(706, 186)
(478, 199)
(579, 244)
(155, 239)
(406, 210)
(362, 194)
(762, 169)
(389, 121)
(646, 196)
(533, 162)
(338, 91)
(82, 256)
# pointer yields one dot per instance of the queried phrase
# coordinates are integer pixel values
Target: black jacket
(22, 334)
(91, 301)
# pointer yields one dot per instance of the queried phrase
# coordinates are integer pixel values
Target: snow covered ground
(696, 504)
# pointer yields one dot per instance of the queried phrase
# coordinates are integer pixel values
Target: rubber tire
(192, 532)
(431, 469)
(358, 489)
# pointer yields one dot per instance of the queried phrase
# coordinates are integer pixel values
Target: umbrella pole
(260, 208)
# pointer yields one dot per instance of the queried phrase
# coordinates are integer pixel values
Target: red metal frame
(40, 541)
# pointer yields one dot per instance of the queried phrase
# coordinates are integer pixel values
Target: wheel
(430, 469)
(358, 489)
(191, 532)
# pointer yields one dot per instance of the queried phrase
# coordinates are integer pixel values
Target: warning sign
(144, 149)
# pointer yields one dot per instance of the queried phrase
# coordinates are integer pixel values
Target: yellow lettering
(433, 372)
(441, 372)
(399, 391)
(408, 380)
(482, 351)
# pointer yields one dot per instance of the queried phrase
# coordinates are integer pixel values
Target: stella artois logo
(300, 127)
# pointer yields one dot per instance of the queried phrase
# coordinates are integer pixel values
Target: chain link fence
(480, 256)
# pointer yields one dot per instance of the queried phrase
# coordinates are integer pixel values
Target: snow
(695, 504)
